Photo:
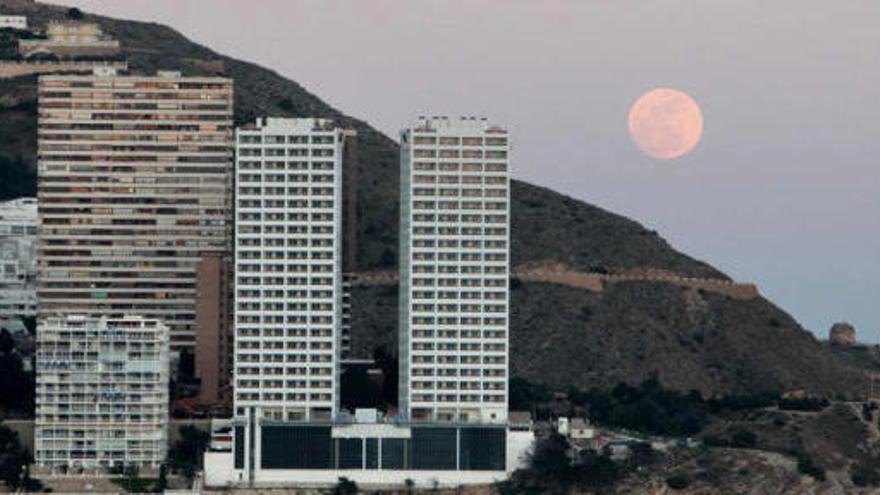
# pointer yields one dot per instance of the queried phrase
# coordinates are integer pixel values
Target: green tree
(807, 466)
(287, 105)
(345, 486)
(13, 458)
(677, 482)
(185, 455)
(162, 483)
(17, 385)
(131, 472)
(550, 462)
(743, 438)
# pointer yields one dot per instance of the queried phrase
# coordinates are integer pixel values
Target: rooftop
(282, 124)
(463, 123)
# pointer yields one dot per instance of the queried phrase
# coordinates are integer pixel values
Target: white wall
(219, 471)
(13, 21)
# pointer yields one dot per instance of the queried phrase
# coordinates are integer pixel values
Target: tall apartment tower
(134, 185)
(454, 263)
(102, 392)
(288, 268)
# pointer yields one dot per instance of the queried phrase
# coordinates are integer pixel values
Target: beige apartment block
(134, 186)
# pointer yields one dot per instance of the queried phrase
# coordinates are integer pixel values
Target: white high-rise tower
(288, 268)
(454, 263)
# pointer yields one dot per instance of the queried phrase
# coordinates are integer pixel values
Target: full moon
(665, 123)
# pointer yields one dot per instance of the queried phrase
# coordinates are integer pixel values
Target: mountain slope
(560, 335)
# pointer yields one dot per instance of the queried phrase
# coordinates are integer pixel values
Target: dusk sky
(782, 190)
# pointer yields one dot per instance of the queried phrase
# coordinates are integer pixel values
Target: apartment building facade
(134, 185)
(288, 269)
(102, 392)
(18, 258)
(454, 269)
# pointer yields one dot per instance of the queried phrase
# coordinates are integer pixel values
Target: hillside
(560, 335)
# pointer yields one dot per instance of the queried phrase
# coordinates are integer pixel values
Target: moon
(665, 123)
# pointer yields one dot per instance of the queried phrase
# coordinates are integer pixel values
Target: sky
(781, 191)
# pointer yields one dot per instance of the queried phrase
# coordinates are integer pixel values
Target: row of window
(278, 306)
(316, 356)
(470, 218)
(135, 116)
(291, 384)
(454, 256)
(428, 166)
(314, 204)
(458, 308)
(316, 217)
(77, 104)
(147, 127)
(275, 166)
(420, 230)
(119, 85)
(461, 282)
(296, 254)
(462, 192)
(310, 343)
(277, 397)
(460, 179)
(314, 345)
(455, 140)
(475, 269)
(249, 370)
(455, 320)
(456, 398)
(143, 160)
(78, 146)
(279, 139)
(454, 153)
(457, 385)
(289, 268)
(458, 346)
(422, 333)
(452, 205)
(194, 172)
(457, 359)
(281, 191)
(257, 178)
(272, 152)
(288, 319)
(446, 371)
(47, 137)
(294, 332)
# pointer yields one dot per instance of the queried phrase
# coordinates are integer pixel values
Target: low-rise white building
(13, 21)
(18, 258)
(70, 39)
(580, 429)
(102, 392)
(376, 454)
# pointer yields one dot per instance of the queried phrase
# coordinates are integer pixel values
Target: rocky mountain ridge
(561, 335)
